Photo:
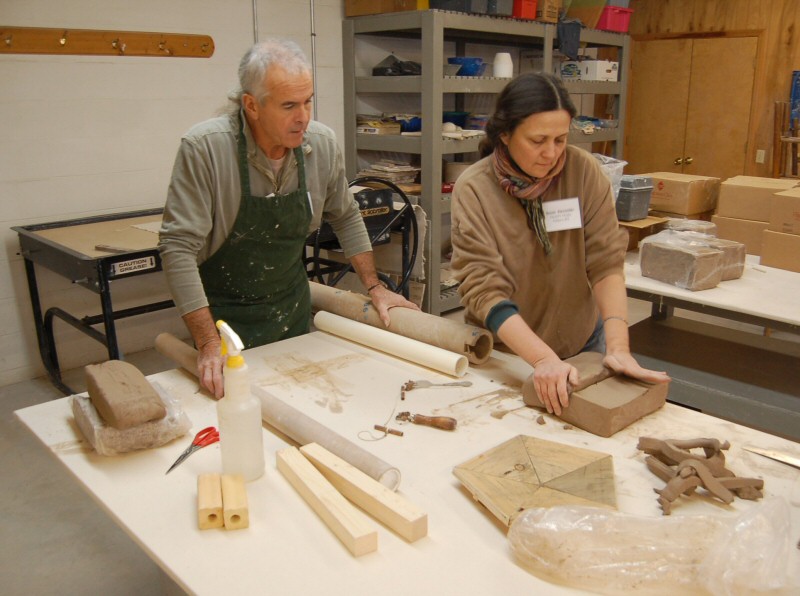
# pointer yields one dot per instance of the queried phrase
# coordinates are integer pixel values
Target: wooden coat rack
(36, 40)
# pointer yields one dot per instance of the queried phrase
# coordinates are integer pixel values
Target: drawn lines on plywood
(525, 472)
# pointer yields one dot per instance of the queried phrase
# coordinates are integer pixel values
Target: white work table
(288, 550)
(763, 296)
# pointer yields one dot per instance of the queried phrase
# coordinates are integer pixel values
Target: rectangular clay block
(603, 403)
(122, 395)
(686, 266)
(733, 256)
(590, 367)
(610, 405)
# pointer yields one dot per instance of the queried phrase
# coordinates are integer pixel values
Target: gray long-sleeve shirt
(204, 195)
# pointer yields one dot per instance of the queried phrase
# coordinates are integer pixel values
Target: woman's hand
(622, 362)
(552, 378)
(383, 299)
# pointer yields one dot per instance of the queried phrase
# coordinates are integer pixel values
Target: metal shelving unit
(432, 28)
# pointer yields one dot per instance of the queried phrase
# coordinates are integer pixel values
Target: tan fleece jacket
(496, 256)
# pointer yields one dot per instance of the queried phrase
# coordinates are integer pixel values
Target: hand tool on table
(207, 436)
(423, 383)
(784, 458)
(441, 422)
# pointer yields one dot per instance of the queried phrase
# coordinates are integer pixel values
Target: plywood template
(526, 472)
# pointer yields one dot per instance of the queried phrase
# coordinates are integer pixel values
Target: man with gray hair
(247, 188)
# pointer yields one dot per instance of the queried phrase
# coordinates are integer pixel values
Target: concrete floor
(54, 539)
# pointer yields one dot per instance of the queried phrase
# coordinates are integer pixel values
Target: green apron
(256, 281)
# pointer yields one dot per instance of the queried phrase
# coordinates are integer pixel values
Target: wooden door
(659, 94)
(689, 107)
(720, 96)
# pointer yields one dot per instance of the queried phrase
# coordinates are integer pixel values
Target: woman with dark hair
(536, 244)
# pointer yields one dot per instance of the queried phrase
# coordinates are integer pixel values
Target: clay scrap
(603, 403)
(685, 471)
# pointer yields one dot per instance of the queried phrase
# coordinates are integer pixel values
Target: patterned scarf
(528, 191)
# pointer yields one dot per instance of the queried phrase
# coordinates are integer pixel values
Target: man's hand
(622, 362)
(383, 299)
(552, 378)
(209, 368)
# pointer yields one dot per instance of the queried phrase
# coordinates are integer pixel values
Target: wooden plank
(65, 41)
(349, 525)
(234, 502)
(209, 502)
(526, 472)
(387, 506)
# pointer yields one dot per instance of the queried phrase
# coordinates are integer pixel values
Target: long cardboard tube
(473, 342)
(393, 344)
(294, 424)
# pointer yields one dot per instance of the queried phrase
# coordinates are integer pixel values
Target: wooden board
(526, 472)
(392, 509)
(349, 525)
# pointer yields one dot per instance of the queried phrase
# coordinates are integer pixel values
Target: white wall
(88, 135)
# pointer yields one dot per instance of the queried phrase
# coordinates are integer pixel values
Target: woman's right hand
(552, 378)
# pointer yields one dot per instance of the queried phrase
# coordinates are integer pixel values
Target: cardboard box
(568, 70)
(547, 10)
(355, 8)
(781, 250)
(642, 228)
(746, 231)
(683, 193)
(599, 70)
(749, 197)
(784, 213)
(588, 11)
(704, 216)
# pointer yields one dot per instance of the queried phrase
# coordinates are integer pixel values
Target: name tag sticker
(564, 214)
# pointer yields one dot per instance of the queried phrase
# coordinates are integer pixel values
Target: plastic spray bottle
(238, 413)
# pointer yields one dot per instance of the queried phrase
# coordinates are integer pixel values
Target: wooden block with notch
(349, 525)
(387, 506)
(603, 404)
(209, 502)
(234, 502)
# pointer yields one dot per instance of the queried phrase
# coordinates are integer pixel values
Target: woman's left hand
(383, 299)
(623, 362)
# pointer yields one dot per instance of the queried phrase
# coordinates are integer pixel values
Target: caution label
(140, 264)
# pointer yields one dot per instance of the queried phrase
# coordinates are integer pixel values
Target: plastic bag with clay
(107, 440)
(611, 552)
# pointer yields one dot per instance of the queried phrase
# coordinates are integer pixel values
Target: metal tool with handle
(207, 436)
(422, 384)
(441, 422)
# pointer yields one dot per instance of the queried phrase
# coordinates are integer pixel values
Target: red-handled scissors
(207, 436)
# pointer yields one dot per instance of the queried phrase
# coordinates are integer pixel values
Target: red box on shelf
(615, 18)
(524, 9)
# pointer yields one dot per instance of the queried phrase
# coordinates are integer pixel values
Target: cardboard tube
(305, 430)
(170, 346)
(473, 342)
(395, 345)
(291, 422)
